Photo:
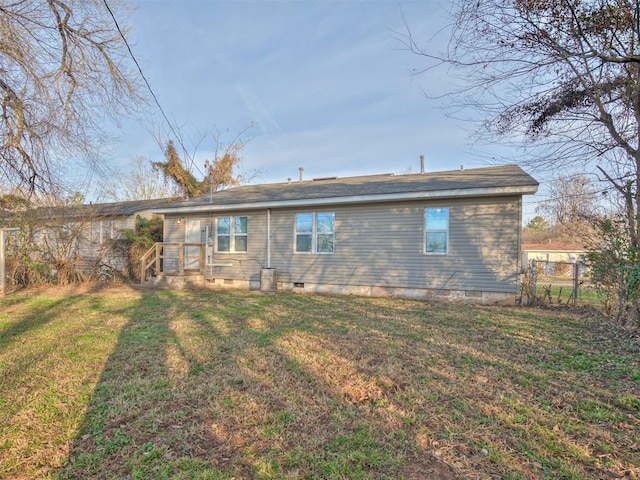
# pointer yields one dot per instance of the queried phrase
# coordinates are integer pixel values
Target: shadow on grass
(223, 386)
(32, 338)
(243, 385)
(44, 310)
(141, 422)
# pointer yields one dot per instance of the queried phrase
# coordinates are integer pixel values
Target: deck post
(181, 258)
(3, 280)
(202, 255)
(3, 258)
(576, 282)
(158, 250)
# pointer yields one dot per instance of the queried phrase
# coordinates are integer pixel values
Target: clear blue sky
(327, 82)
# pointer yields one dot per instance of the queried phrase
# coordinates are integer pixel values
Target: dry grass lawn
(135, 384)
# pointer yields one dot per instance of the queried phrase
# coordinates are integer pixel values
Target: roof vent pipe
(421, 163)
(301, 173)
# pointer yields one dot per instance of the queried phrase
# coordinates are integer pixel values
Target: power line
(153, 95)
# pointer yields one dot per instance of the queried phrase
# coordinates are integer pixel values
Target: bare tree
(141, 182)
(64, 68)
(561, 78)
(570, 200)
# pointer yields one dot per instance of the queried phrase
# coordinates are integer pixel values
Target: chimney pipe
(421, 163)
(301, 173)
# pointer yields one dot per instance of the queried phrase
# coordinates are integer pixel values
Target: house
(453, 234)
(552, 252)
(555, 258)
(84, 233)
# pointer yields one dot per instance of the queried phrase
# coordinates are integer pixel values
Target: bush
(137, 242)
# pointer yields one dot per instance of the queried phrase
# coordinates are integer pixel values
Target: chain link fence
(557, 283)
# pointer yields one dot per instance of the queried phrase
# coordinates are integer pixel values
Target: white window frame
(231, 235)
(428, 230)
(105, 231)
(110, 227)
(314, 233)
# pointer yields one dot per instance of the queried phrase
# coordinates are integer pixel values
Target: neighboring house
(84, 232)
(554, 258)
(552, 252)
(452, 234)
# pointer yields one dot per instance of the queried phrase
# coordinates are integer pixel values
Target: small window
(240, 234)
(66, 231)
(102, 230)
(436, 230)
(325, 232)
(231, 234)
(304, 232)
(223, 234)
(315, 232)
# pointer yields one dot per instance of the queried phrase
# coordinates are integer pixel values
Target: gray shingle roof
(364, 186)
(96, 210)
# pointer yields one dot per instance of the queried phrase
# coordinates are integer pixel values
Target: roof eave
(393, 197)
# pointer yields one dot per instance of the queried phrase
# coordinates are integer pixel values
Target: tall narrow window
(325, 227)
(240, 234)
(315, 232)
(223, 234)
(231, 234)
(436, 230)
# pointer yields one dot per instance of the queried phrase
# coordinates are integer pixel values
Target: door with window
(192, 235)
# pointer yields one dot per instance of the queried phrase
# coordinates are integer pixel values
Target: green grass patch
(123, 383)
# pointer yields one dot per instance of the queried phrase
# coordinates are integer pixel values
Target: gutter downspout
(268, 238)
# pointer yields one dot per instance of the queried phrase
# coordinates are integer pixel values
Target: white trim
(231, 235)
(310, 234)
(228, 235)
(388, 197)
(445, 231)
(314, 233)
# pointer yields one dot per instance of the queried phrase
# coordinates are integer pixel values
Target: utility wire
(153, 95)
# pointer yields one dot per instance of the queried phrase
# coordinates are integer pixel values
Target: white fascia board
(390, 197)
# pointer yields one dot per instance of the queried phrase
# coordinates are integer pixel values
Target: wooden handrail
(153, 257)
(144, 267)
(149, 252)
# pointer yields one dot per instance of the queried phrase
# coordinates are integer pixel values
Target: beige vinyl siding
(88, 244)
(383, 245)
(244, 266)
(173, 231)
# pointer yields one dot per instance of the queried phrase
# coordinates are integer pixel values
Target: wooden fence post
(3, 258)
(576, 283)
(3, 280)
